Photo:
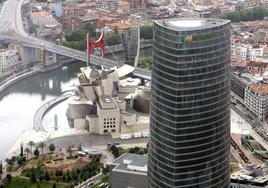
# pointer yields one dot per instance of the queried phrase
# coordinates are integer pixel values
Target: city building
(9, 61)
(256, 99)
(128, 170)
(252, 176)
(73, 17)
(123, 6)
(190, 104)
(248, 51)
(238, 86)
(111, 5)
(43, 18)
(210, 13)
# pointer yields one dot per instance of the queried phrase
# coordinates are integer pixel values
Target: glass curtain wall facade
(190, 110)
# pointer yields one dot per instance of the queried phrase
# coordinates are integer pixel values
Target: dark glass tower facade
(190, 111)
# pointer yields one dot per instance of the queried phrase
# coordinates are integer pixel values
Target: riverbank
(42, 136)
(6, 118)
(6, 84)
(34, 70)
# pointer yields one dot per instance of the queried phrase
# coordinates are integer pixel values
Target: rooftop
(252, 174)
(131, 162)
(185, 24)
(259, 88)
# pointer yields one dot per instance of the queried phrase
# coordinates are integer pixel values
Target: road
(93, 140)
(12, 30)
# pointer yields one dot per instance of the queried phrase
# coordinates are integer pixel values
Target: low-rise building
(256, 99)
(43, 18)
(73, 17)
(128, 170)
(9, 61)
(248, 51)
(238, 85)
(252, 176)
(110, 5)
(51, 33)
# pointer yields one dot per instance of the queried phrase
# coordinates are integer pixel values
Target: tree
(113, 39)
(33, 27)
(13, 158)
(1, 168)
(21, 150)
(75, 35)
(46, 176)
(146, 32)
(115, 151)
(74, 175)
(89, 28)
(7, 179)
(68, 176)
(256, 13)
(145, 63)
(63, 177)
(58, 173)
(21, 161)
(27, 151)
(54, 185)
(36, 152)
(31, 144)
(42, 145)
(33, 176)
(9, 161)
(52, 148)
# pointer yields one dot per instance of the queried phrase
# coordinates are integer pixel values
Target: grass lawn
(19, 182)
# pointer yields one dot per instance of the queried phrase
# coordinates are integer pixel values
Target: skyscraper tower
(190, 111)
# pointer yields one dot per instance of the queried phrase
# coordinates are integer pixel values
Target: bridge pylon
(42, 54)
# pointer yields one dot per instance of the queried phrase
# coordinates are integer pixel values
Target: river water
(19, 102)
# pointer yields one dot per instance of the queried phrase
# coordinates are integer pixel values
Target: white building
(255, 52)
(248, 51)
(9, 60)
(252, 176)
(108, 116)
(256, 99)
(111, 5)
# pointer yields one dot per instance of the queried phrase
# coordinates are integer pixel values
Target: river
(19, 102)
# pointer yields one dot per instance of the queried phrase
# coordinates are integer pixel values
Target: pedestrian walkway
(40, 113)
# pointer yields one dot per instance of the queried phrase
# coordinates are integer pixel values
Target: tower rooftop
(186, 24)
